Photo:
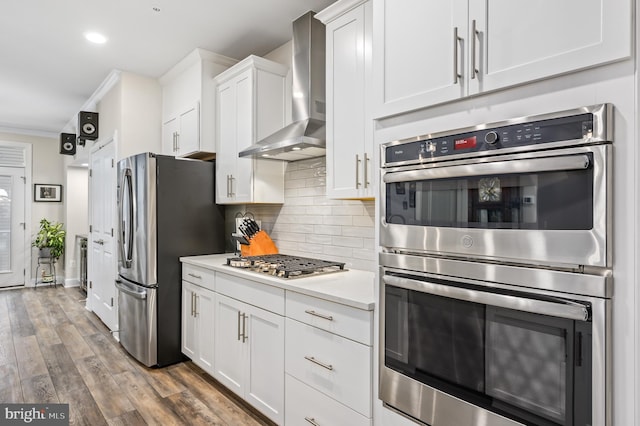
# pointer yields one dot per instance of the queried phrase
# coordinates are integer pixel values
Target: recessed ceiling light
(95, 38)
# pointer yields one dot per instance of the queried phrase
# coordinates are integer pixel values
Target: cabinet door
(346, 104)
(417, 59)
(518, 41)
(265, 340)
(242, 176)
(188, 321)
(170, 130)
(229, 355)
(204, 312)
(189, 136)
(226, 141)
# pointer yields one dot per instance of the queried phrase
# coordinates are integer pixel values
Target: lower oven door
(464, 354)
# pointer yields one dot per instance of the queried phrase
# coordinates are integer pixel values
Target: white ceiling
(48, 70)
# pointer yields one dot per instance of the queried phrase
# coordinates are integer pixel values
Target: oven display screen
(465, 143)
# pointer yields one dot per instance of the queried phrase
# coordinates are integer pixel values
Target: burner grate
(286, 266)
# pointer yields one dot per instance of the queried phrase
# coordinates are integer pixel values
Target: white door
(547, 38)
(418, 53)
(103, 257)
(264, 333)
(230, 354)
(204, 311)
(12, 226)
(189, 136)
(226, 152)
(188, 320)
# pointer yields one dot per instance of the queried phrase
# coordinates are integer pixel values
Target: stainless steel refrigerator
(166, 209)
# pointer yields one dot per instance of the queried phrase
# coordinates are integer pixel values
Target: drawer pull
(321, 364)
(315, 314)
(194, 276)
(312, 421)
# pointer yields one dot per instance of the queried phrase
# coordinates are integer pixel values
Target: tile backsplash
(311, 225)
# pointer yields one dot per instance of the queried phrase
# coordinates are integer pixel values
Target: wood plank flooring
(53, 350)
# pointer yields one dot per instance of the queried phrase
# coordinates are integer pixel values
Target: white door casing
(12, 226)
(101, 292)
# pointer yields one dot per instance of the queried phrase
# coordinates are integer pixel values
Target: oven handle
(531, 165)
(559, 308)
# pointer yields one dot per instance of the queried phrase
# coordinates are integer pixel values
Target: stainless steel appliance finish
(496, 272)
(305, 137)
(285, 266)
(166, 209)
(534, 190)
(138, 320)
(437, 405)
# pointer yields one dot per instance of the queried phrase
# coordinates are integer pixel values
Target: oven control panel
(571, 128)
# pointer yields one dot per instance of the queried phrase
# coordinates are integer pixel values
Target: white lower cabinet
(197, 320)
(310, 367)
(338, 367)
(249, 354)
(307, 406)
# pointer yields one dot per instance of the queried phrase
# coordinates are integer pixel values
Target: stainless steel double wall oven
(495, 272)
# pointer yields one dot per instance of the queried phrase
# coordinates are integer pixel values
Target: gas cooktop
(285, 266)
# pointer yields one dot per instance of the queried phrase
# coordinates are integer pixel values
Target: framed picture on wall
(43, 192)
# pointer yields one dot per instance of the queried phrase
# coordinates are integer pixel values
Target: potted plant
(50, 239)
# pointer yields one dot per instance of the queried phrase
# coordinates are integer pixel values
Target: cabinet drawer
(261, 295)
(199, 276)
(352, 323)
(338, 367)
(304, 404)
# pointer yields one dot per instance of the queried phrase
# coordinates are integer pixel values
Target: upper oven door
(546, 208)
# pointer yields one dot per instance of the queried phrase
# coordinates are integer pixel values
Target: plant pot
(44, 252)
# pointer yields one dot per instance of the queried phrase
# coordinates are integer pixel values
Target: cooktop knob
(491, 137)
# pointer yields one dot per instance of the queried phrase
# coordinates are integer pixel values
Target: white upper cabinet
(427, 53)
(251, 105)
(188, 104)
(414, 53)
(521, 41)
(350, 147)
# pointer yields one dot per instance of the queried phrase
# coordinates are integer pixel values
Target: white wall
(77, 220)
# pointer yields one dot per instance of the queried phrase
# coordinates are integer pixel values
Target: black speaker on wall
(67, 143)
(88, 125)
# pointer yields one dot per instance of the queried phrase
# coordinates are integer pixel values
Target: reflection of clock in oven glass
(489, 189)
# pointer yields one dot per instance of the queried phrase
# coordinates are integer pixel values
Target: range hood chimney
(305, 136)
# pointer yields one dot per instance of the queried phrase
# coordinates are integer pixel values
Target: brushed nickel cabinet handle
(456, 39)
(321, 364)
(231, 179)
(195, 305)
(194, 276)
(245, 335)
(358, 171)
(239, 332)
(366, 166)
(312, 421)
(474, 34)
(316, 314)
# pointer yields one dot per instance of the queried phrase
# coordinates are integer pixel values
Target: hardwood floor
(53, 350)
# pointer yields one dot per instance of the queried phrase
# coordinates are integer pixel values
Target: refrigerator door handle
(126, 250)
(130, 290)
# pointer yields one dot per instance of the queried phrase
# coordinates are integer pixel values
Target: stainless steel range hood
(305, 136)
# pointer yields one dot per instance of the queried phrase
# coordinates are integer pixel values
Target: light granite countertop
(353, 288)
